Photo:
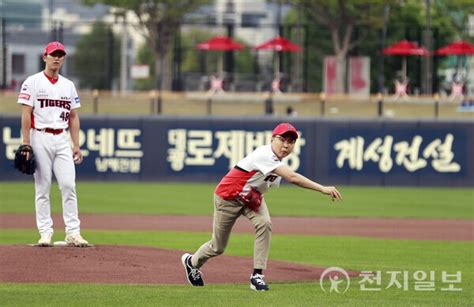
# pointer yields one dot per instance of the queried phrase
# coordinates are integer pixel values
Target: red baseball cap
(54, 46)
(285, 128)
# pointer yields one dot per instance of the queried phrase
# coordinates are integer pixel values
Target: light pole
(161, 72)
(428, 44)
(4, 54)
(229, 22)
(280, 33)
(386, 11)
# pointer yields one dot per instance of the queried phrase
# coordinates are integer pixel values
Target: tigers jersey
(52, 103)
(254, 170)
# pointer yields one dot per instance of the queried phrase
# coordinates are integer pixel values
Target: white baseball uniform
(52, 103)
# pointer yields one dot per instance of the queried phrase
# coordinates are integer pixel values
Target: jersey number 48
(64, 116)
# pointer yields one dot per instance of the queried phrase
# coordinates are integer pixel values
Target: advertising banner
(351, 152)
(359, 76)
(329, 75)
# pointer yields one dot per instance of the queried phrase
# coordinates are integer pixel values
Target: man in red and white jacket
(240, 192)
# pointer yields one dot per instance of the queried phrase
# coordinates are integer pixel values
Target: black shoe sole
(255, 288)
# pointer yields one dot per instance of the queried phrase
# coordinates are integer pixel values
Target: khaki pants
(225, 215)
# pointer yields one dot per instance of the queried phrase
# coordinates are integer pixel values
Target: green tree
(161, 19)
(340, 18)
(319, 45)
(456, 13)
(146, 56)
(244, 61)
(361, 34)
(92, 61)
(196, 61)
(408, 21)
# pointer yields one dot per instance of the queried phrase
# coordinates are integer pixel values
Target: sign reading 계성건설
(364, 152)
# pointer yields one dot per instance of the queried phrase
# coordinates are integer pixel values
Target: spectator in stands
(291, 112)
(269, 110)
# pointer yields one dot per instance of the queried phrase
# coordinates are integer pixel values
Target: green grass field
(196, 199)
(350, 253)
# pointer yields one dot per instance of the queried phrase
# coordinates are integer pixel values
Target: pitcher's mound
(133, 265)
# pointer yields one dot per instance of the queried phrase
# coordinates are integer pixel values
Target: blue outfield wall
(343, 152)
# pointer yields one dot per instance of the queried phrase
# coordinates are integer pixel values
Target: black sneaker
(193, 275)
(257, 283)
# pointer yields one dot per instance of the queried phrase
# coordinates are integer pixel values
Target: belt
(52, 131)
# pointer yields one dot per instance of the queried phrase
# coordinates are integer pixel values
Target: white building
(31, 24)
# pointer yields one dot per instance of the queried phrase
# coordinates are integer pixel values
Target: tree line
(340, 28)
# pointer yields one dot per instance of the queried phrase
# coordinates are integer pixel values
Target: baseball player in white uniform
(49, 102)
(241, 192)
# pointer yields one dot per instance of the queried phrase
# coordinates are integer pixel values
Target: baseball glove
(25, 159)
(252, 199)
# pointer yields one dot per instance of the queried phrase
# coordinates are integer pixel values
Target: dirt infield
(132, 265)
(390, 228)
(147, 265)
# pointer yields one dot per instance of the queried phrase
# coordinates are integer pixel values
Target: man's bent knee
(218, 250)
(264, 224)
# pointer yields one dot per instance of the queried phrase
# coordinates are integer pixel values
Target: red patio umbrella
(459, 47)
(405, 48)
(220, 43)
(279, 44)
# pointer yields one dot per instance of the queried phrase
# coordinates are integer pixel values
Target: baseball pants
(53, 154)
(225, 215)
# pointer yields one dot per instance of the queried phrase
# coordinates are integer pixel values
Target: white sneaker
(45, 239)
(76, 240)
